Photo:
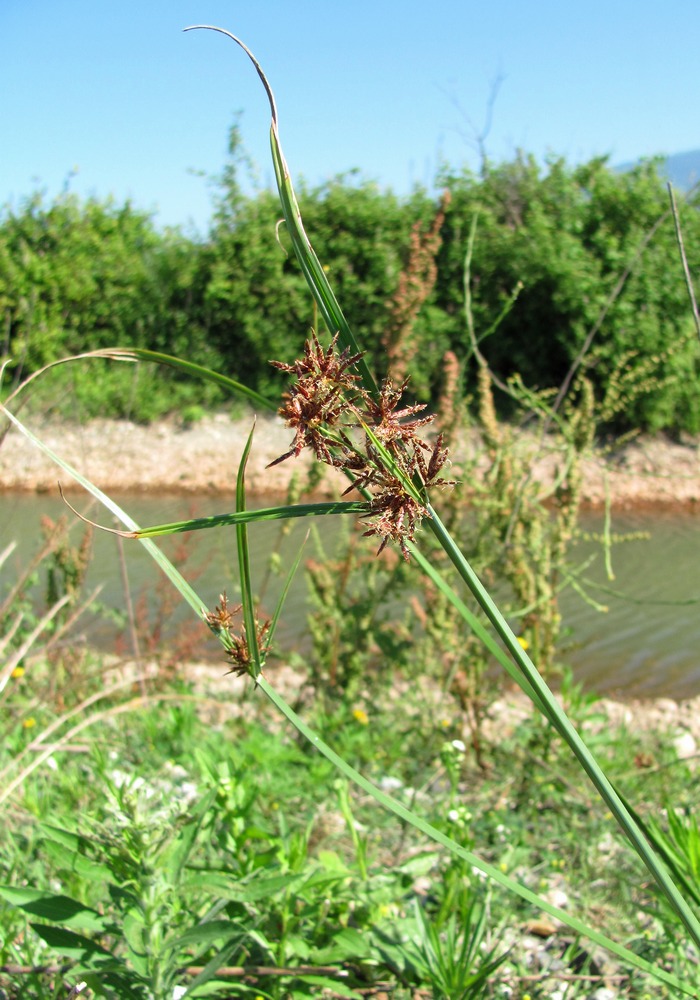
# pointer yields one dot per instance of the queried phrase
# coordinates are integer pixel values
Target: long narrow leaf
(313, 271)
(190, 368)
(251, 516)
(160, 558)
(285, 590)
(526, 670)
(247, 598)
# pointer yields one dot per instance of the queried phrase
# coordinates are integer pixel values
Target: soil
(674, 722)
(120, 456)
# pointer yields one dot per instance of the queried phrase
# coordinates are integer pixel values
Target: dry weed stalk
(450, 411)
(416, 283)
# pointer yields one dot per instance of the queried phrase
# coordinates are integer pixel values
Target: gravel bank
(163, 457)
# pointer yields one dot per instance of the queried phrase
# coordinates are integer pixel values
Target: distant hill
(682, 169)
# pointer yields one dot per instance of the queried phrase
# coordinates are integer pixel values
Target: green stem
(558, 718)
(391, 804)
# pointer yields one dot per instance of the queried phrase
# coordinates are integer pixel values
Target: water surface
(645, 644)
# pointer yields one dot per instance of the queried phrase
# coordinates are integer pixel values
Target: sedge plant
(336, 409)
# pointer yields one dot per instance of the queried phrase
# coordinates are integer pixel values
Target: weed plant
(214, 873)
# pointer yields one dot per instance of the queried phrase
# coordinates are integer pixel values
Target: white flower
(389, 784)
(179, 992)
(189, 791)
(459, 745)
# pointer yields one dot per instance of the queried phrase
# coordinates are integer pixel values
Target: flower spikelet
(239, 650)
(221, 619)
(389, 423)
(396, 512)
(323, 392)
(370, 436)
(236, 643)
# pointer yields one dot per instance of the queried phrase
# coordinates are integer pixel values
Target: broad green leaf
(205, 934)
(348, 944)
(321, 983)
(180, 850)
(77, 947)
(54, 906)
(208, 973)
(93, 961)
(80, 864)
(136, 936)
(332, 862)
(75, 842)
(257, 887)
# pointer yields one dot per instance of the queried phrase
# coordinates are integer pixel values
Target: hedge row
(77, 275)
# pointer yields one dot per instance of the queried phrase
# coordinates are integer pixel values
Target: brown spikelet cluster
(236, 643)
(371, 437)
(322, 394)
(396, 513)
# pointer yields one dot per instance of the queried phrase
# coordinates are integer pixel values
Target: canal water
(647, 642)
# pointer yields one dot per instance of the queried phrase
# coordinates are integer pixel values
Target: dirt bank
(676, 721)
(163, 457)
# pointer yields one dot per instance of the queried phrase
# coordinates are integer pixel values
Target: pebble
(685, 745)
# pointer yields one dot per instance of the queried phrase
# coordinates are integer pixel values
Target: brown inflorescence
(326, 405)
(236, 643)
(239, 649)
(322, 394)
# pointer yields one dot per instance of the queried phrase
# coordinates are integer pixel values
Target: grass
(200, 815)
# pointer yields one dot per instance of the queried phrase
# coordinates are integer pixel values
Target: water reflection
(647, 643)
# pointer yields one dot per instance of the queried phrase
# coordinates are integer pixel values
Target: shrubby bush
(81, 275)
(569, 235)
(77, 275)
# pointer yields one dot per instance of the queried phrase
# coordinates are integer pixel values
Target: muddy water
(647, 642)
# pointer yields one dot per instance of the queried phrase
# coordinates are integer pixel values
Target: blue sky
(116, 90)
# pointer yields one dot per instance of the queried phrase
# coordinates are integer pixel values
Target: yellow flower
(17, 672)
(359, 715)
(523, 642)
(29, 723)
